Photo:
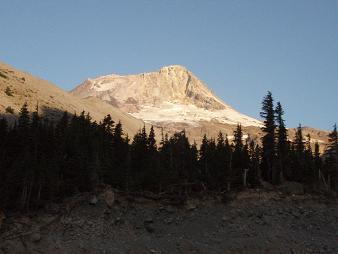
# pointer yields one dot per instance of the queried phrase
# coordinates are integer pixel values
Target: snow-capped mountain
(171, 95)
(53, 100)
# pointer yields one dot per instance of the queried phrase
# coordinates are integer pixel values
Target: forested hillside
(43, 161)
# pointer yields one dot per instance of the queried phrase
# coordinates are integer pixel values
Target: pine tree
(282, 143)
(106, 149)
(299, 163)
(203, 158)
(309, 174)
(317, 164)
(119, 157)
(240, 158)
(332, 149)
(23, 165)
(153, 160)
(139, 160)
(332, 158)
(221, 160)
(166, 161)
(299, 141)
(193, 164)
(254, 156)
(24, 118)
(212, 177)
(152, 141)
(3, 145)
(317, 158)
(181, 158)
(269, 171)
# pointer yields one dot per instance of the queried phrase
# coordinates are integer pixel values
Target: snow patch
(188, 113)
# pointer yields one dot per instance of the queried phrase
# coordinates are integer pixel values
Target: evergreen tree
(222, 158)
(332, 148)
(269, 171)
(282, 144)
(240, 158)
(152, 141)
(119, 157)
(106, 148)
(24, 118)
(299, 159)
(212, 180)
(309, 174)
(193, 164)
(182, 158)
(3, 145)
(166, 160)
(203, 158)
(154, 173)
(332, 159)
(254, 164)
(317, 158)
(43, 160)
(139, 160)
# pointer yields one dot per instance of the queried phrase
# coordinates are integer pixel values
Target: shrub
(8, 91)
(9, 110)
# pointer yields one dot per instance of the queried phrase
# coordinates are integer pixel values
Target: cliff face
(170, 84)
(172, 94)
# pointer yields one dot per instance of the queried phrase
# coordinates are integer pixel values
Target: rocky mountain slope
(172, 94)
(253, 221)
(174, 99)
(17, 87)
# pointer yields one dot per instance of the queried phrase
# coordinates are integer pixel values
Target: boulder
(149, 219)
(109, 198)
(149, 227)
(93, 200)
(191, 204)
(35, 237)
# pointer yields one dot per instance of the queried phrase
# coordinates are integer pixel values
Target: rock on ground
(253, 222)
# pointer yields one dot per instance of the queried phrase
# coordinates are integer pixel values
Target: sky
(240, 49)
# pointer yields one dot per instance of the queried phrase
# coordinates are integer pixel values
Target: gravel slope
(254, 222)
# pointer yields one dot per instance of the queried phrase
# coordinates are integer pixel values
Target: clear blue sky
(239, 48)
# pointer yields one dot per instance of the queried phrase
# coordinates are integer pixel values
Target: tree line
(45, 161)
(297, 160)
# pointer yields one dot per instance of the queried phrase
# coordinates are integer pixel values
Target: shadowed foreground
(253, 222)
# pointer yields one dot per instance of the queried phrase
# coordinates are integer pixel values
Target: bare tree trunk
(23, 195)
(245, 177)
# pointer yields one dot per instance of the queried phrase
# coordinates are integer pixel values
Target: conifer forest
(44, 161)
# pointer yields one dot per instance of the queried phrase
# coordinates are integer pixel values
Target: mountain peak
(174, 67)
(171, 94)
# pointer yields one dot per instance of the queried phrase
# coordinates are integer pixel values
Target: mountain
(23, 87)
(172, 94)
(173, 98)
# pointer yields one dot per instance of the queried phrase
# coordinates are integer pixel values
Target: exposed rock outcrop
(172, 94)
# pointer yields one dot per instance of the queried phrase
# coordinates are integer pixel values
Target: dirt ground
(252, 221)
